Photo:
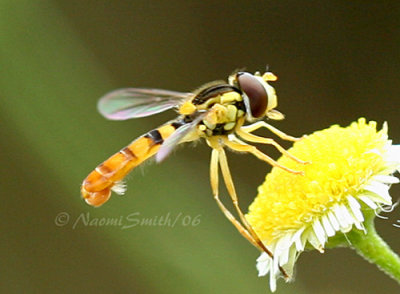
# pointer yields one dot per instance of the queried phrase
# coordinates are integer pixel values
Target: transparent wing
(172, 141)
(138, 102)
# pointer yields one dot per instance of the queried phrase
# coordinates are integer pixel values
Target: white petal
(283, 244)
(355, 208)
(313, 240)
(293, 254)
(368, 201)
(305, 237)
(393, 154)
(297, 239)
(275, 266)
(374, 151)
(384, 128)
(263, 264)
(272, 281)
(327, 226)
(333, 221)
(377, 199)
(282, 249)
(284, 257)
(386, 179)
(380, 189)
(345, 212)
(263, 257)
(319, 231)
(360, 226)
(343, 222)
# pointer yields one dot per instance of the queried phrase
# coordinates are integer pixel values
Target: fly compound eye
(255, 91)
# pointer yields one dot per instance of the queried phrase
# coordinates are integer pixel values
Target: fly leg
(263, 124)
(214, 186)
(257, 139)
(232, 193)
(243, 147)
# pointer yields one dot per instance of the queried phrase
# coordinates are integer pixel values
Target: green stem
(374, 249)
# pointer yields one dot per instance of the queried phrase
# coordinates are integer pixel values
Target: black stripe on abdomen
(155, 136)
(177, 124)
(128, 153)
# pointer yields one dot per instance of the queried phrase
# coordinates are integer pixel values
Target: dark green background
(336, 61)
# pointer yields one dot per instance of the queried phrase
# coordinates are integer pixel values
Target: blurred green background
(336, 61)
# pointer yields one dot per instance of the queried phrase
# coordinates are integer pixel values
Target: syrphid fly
(216, 112)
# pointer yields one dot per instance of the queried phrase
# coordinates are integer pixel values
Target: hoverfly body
(215, 112)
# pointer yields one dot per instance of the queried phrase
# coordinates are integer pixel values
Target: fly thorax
(222, 119)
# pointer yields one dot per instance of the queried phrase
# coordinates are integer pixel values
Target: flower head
(350, 172)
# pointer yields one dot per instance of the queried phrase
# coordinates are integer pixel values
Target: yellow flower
(350, 172)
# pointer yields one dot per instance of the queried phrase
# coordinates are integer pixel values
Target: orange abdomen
(96, 188)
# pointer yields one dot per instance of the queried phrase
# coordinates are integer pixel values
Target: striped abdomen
(96, 188)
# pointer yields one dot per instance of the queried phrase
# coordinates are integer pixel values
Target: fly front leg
(263, 124)
(232, 193)
(226, 174)
(257, 139)
(240, 147)
(214, 186)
